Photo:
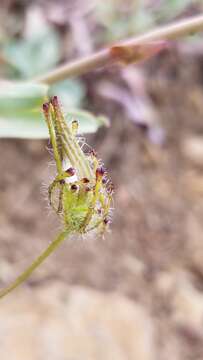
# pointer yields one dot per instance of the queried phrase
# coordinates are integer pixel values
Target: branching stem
(104, 57)
(20, 279)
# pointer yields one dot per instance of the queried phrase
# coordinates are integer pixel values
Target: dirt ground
(154, 252)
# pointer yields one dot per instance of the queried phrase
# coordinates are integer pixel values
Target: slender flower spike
(80, 194)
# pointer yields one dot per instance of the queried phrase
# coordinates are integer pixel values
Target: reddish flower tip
(54, 101)
(74, 187)
(70, 171)
(100, 171)
(106, 221)
(85, 180)
(45, 107)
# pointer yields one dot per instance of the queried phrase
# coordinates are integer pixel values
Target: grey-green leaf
(18, 99)
(71, 93)
(21, 115)
(33, 125)
(35, 55)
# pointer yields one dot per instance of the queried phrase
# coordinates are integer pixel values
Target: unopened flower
(81, 193)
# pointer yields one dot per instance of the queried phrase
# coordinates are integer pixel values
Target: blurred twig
(104, 57)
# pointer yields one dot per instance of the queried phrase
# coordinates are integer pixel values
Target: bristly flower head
(81, 193)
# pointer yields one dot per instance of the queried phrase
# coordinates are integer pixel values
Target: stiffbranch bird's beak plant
(81, 192)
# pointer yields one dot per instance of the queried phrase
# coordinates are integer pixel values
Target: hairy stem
(20, 279)
(104, 57)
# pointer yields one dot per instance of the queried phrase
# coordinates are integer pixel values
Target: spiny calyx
(80, 194)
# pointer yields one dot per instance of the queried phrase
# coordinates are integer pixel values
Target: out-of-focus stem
(20, 279)
(104, 57)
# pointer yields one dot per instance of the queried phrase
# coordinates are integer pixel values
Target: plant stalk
(20, 279)
(104, 57)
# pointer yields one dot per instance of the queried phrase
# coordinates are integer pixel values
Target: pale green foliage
(21, 117)
(39, 50)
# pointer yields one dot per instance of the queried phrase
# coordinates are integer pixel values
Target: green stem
(104, 57)
(20, 279)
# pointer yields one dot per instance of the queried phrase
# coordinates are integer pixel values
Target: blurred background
(137, 294)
